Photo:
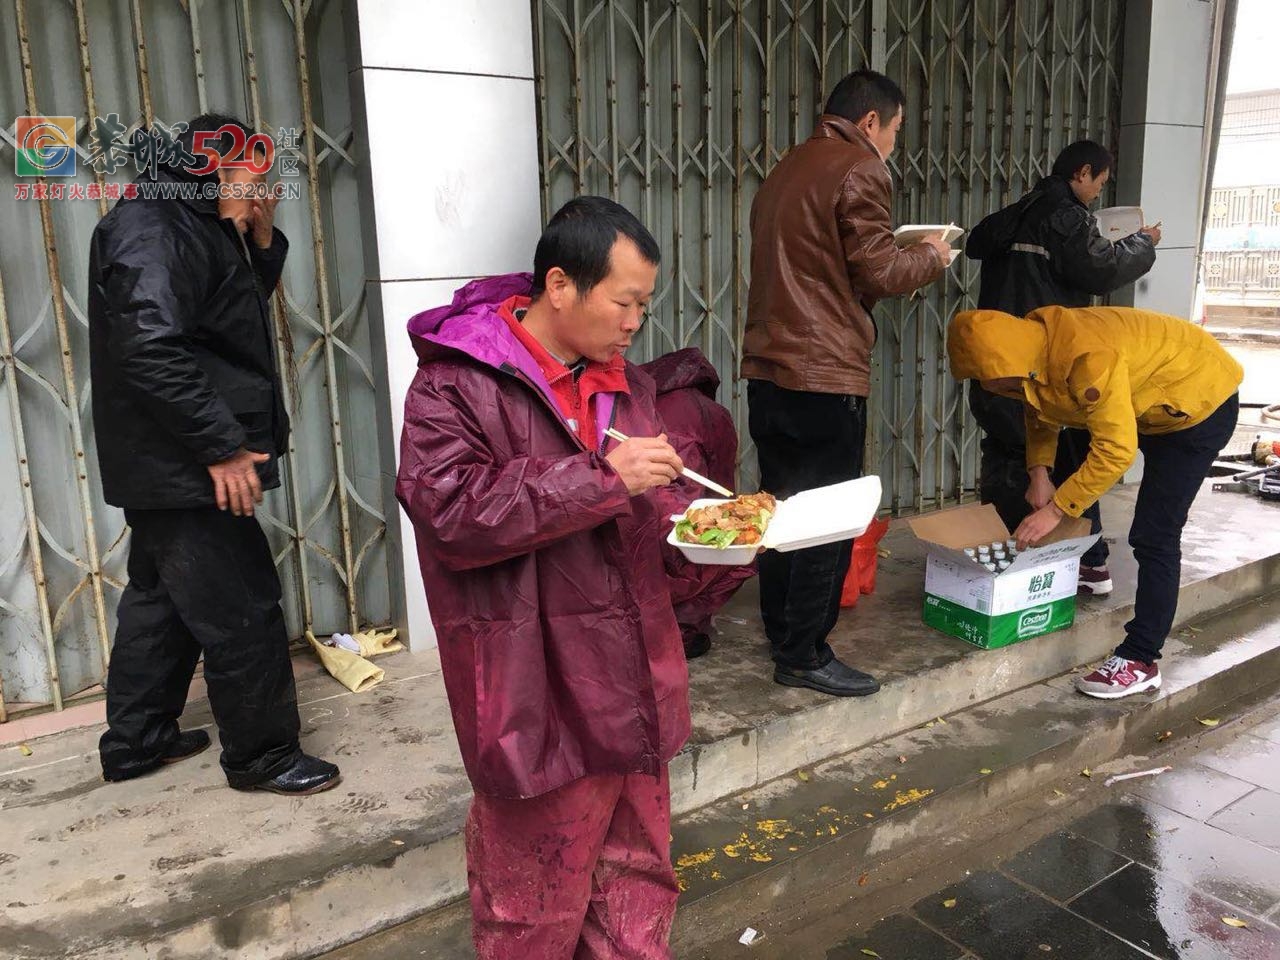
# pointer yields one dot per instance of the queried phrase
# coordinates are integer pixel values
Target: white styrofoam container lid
(829, 514)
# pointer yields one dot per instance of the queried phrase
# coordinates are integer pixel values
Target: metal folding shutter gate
(679, 108)
(277, 63)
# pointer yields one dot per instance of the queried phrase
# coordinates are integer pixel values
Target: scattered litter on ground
(397, 843)
(869, 816)
(1208, 721)
(862, 880)
(869, 952)
(906, 797)
(949, 904)
(750, 936)
(880, 784)
(1086, 772)
(985, 771)
(1165, 735)
(24, 750)
(1235, 922)
(902, 759)
(1133, 776)
(802, 776)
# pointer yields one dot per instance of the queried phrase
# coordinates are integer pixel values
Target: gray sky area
(1253, 52)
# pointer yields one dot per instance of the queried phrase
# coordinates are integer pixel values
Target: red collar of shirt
(574, 398)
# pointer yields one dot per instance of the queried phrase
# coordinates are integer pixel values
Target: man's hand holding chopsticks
(645, 462)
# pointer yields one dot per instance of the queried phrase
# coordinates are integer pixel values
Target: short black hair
(1078, 154)
(210, 122)
(578, 240)
(862, 92)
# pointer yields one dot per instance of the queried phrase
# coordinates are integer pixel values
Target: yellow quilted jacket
(1115, 371)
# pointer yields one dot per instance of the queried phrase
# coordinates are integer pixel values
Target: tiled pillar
(1164, 83)
(443, 99)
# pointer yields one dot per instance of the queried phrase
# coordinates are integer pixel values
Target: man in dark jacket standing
(190, 425)
(822, 254)
(1046, 250)
(540, 541)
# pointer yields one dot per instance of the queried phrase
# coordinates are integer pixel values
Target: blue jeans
(1176, 465)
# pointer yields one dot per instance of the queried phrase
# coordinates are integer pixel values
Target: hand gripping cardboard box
(1034, 596)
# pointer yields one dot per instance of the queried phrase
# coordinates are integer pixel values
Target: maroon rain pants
(581, 873)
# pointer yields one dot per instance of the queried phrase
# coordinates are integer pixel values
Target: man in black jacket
(190, 425)
(1046, 250)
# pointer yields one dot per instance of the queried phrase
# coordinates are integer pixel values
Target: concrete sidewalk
(176, 865)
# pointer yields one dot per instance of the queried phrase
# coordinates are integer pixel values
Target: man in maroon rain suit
(706, 440)
(541, 550)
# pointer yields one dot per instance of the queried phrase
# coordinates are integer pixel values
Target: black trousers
(803, 440)
(1002, 479)
(1174, 469)
(201, 581)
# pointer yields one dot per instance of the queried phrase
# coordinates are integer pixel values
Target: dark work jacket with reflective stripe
(1045, 250)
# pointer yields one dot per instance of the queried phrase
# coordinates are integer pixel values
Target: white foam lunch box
(841, 511)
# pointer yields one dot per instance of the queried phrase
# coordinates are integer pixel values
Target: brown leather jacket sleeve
(878, 268)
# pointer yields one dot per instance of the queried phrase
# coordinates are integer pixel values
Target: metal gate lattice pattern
(679, 109)
(277, 63)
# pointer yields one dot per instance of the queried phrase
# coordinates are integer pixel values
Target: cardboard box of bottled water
(1033, 595)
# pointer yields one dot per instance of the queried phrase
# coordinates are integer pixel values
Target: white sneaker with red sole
(1118, 677)
(1094, 581)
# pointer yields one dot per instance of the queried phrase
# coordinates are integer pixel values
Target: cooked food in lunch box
(734, 522)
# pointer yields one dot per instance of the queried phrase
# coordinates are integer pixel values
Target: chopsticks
(695, 477)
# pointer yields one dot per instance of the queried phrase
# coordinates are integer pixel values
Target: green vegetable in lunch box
(711, 538)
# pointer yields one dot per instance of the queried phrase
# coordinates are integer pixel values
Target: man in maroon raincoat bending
(540, 545)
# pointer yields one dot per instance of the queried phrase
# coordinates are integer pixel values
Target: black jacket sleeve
(153, 284)
(1088, 261)
(269, 263)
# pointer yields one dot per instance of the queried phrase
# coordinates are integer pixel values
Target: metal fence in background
(1241, 256)
(277, 63)
(680, 108)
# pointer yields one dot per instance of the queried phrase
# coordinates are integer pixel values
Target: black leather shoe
(188, 744)
(696, 645)
(835, 679)
(308, 775)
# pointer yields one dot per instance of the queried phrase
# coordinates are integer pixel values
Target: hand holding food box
(731, 532)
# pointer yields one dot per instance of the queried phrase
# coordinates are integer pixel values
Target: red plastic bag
(861, 577)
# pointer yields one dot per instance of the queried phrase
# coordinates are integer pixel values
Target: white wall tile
(1178, 61)
(454, 170)
(458, 36)
(1170, 285)
(1171, 181)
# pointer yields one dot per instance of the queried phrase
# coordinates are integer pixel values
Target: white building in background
(1241, 265)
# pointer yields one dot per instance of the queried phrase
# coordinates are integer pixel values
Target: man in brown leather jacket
(822, 254)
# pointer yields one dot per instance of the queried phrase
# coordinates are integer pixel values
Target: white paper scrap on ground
(1133, 776)
(749, 936)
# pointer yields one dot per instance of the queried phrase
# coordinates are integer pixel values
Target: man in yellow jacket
(1136, 380)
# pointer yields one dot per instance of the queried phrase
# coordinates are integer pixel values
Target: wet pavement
(1157, 871)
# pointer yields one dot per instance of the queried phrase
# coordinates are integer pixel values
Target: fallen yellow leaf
(869, 816)
(984, 771)
(803, 775)
(1058, 792)
(1208, 721)
(941, 721)
(869, 952)
(1235, 922)
(1086, 772)
(24, 750)
(948, 904)
(880, 784)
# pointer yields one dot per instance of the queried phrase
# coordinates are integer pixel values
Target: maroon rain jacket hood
(545, 580)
